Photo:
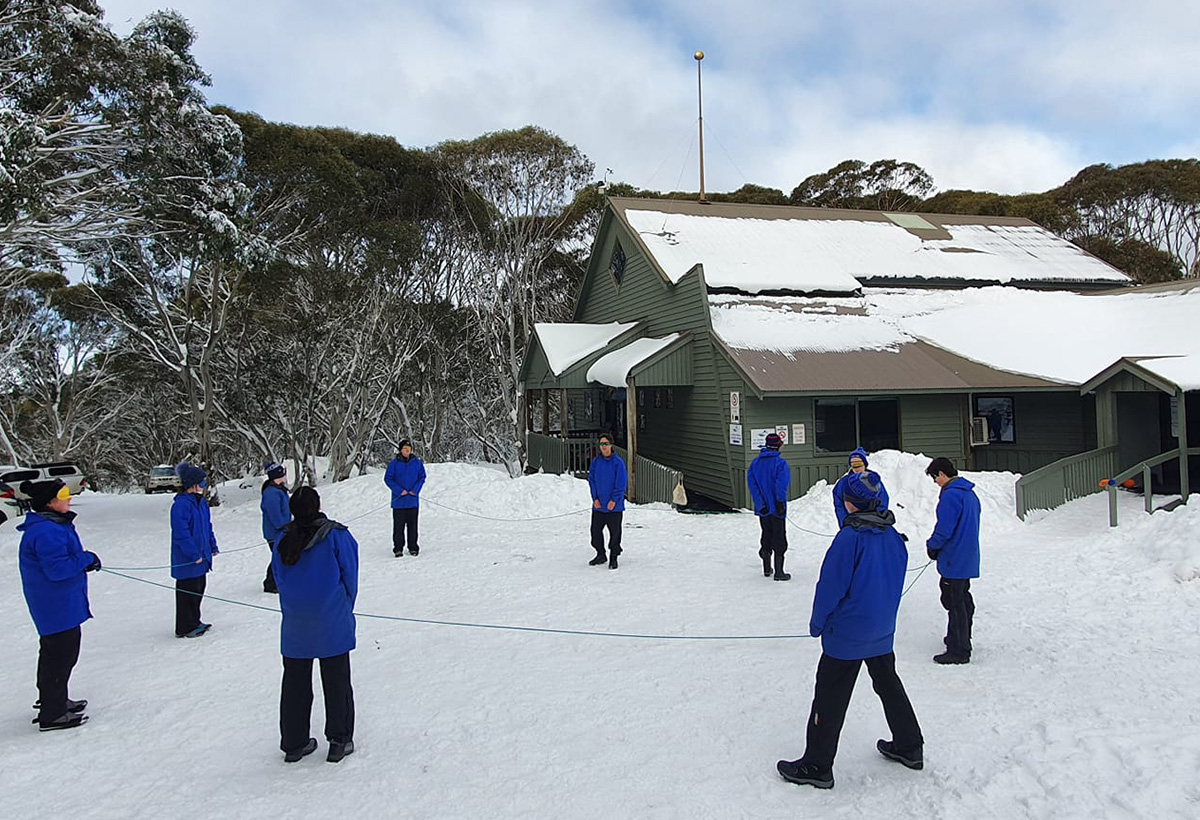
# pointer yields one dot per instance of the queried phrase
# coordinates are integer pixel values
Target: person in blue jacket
(275, 513)
(854, 614)
(954, 544)
(607, 479)
(769, 478)
(857, 463)
(53, 577)
(316, 569)
(405, 477)
(193, 545)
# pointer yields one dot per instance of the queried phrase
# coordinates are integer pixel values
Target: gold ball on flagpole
(699, 55)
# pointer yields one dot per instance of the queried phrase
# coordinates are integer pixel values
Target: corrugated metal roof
(913, 367)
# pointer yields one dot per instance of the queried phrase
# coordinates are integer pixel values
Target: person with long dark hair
(316, 570)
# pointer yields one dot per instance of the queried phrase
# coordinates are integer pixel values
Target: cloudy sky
(1009, 96)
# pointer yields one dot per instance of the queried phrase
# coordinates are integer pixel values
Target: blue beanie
(189, 475)
(858, 453)
(862, 489)
(274, 470)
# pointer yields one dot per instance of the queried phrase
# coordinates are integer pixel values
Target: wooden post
(545, 412)
(562, 412)
(1181, 422)
(631, 424)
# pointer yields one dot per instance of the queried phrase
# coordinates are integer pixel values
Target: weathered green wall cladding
(685, 436)
(1047, 427)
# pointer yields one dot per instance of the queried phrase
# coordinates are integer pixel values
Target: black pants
(188, 593)
(835, 684)
(57, 655)
(402, 521)
(960, 607)
(296, 696)
(773, 540)
(269, 581)
(611, 520)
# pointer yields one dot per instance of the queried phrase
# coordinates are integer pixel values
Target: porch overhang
(1133, 367)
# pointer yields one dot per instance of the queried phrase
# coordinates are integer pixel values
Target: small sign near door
(735, 434)
(735, 407)
(797, 434)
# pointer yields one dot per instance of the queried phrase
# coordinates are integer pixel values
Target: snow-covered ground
(1080, 700)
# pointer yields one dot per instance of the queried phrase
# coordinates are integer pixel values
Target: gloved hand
(764, 511)
(904, 538)
(932, 553)
(781, 509)
(216, 550)
(95, 565)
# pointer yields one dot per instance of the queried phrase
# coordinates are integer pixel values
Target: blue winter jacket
(405, 475)
(192, 536)
(769, 478)
(317, 595)
(839, 489)
(608, 480)
(858, 592)
(275, 512)
(956, 535)
(53, 564)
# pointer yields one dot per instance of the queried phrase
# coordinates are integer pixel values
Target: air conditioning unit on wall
(979, 431)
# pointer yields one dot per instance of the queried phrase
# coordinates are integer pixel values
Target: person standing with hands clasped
(193, 546)
(275, 513)
(955, 546)
(316, 568)
(405, 477)
(53, 577)
(769, 478)
(608, 480)
(854, 614)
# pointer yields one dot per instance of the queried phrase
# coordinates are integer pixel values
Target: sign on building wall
(798, 434)
(758, 436)
(735, 434)
(735, 407)
(782, 430)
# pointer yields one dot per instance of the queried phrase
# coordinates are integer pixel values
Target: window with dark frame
(842, 424)
(616, 265)
(1001, 418)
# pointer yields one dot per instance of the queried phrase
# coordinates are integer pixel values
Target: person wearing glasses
(954, 544)
(54, 567)
(608, 480)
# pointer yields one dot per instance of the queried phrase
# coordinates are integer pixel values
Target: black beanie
(41, 493)
(403, 443)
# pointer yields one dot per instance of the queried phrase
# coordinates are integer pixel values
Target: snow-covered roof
(613, 368)
(1059, 336)
(565, 344)
(810, 250)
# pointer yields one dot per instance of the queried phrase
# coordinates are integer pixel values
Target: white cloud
(1000, 96)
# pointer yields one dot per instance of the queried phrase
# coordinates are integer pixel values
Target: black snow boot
(780, 575)
(337, 751)
(296, 754)
(912, 758)
(600, 559)
(765, 555)
(804, 774)
(65, 721)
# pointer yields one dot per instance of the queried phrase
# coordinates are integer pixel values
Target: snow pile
(567, 343)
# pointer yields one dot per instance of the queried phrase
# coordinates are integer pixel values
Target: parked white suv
(162, 479)
(67, 471)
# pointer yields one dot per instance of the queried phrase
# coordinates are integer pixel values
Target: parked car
(10, 506)
(68, 471)
(162, 479)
